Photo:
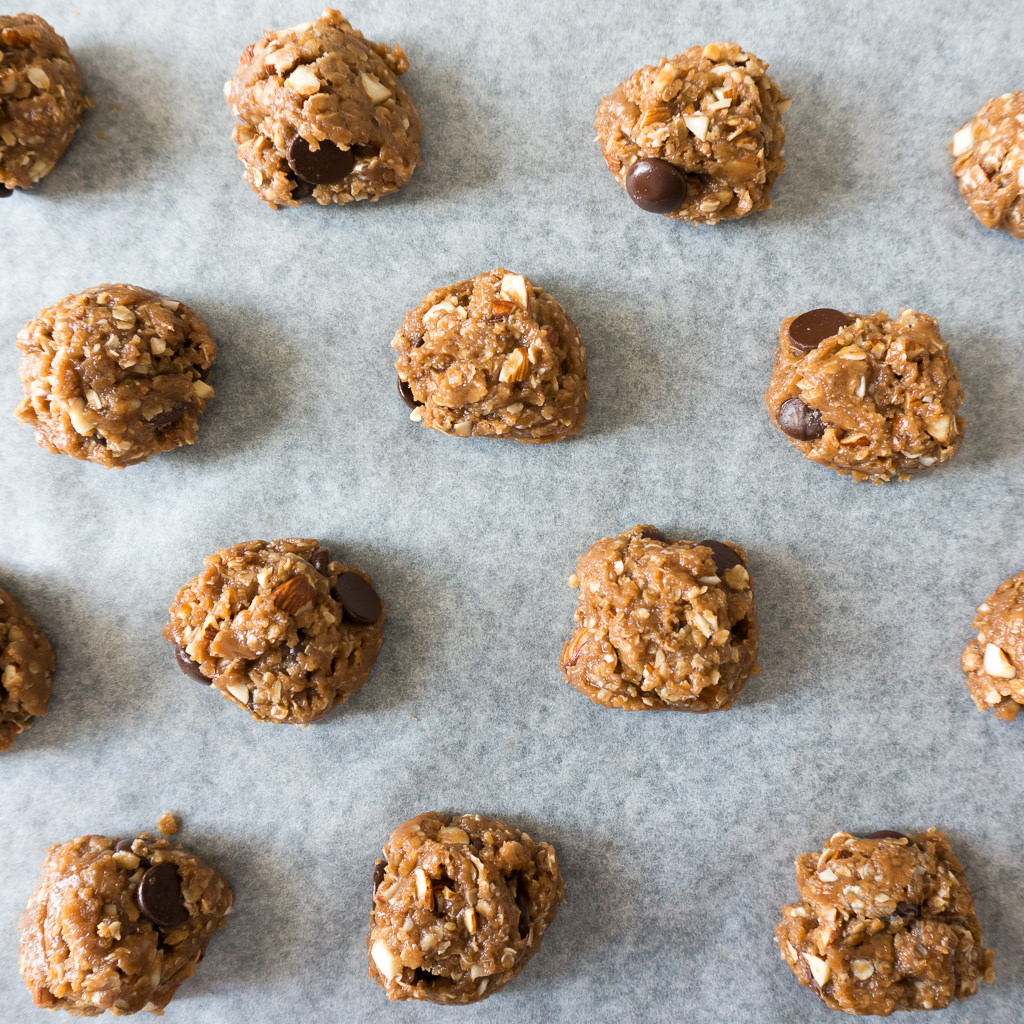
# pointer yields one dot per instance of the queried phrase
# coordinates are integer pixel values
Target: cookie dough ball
(26, 670)
(662, 624)
(118, 925)
(988, 163)
(493, 356)
(279, 628)
(699, 137)
(866, 395)
(459, 906)
(884, 923)
(41, 102)
(323, 115)
(115, 374)
(994, 659)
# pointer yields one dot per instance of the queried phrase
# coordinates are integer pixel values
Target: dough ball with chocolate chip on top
(994, 660)
(118, 924)
(26, 670)
(867, 396)
(699, 137)
(662, 624)
(323, 116)
(278, 627)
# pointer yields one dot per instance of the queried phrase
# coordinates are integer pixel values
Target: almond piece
(294, 596)
(501, 308)
(387, 963)
(997, 664)
(572, 654)
(377, 92)
(303, 80)
(515, 368)
(820, 970)
(513, 288)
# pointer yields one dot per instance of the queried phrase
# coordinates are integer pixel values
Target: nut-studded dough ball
(493, 356)
(988, 162)
(41, 102)
(459, 906)
(884, 923)
(994, 659)
(662, 624)
(118, 925)
(278, 628)
(26, 670)
(699, 137)
(323, 115)
(866, 395)
(115, 374)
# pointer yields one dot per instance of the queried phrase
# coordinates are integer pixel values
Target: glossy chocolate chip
(886, 834)
(656, 185)
(725, 557)
(407, 396)
(324, 166)
(123, 845)
(357, 598)
(800, 421)
(159, 896)
(652, 533)
(321, 560)
(5, 191)
(523, 903)
(189, 667)
(378, 873)
(810, 329)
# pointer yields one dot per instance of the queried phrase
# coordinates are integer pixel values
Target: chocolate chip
(301, 190)
(908, 911)
(170, 416)
(886, 834)
(800, 421)
(656, 185)
(523, 903)
(357, 598)
(810, 329)
(123, 845)
(652, 533)
(378, 873)
(324, 166)
(189, 667)
(724, 556)
(406, 392)
(321, 560)
(159, 896)
(5, 191)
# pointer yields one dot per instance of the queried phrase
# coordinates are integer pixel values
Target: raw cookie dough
(115, 374)
(866, 395)
(323, 115)
(26, 670)
(699, 137)
(118, 925)
(662, 624)
(884, 923)
(41, 102)
(994, 659)
(279, 628)
(988, 163)
(493, 356)
(459, 905)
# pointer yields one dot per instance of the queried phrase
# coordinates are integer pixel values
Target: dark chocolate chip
(725, 557)
(656, 185)
(908, 911)
(167, 418)
(159, 896)
(189, 667)
(810, 329)
(378, 873)
(523, 903)
(800, 421)
(5, 191)
(406, 392)
(357, 598)
(321, 560)
(886, 834)
(652, 533)
(123, 845)
(324, 166)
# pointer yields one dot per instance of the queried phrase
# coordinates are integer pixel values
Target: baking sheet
(676, 834)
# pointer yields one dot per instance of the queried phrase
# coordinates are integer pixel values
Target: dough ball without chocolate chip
(26, 670)
(994, 659)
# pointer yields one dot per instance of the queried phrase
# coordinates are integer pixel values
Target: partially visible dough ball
(26, 670)
(994, 660)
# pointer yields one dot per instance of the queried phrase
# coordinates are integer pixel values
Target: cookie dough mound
(493, 356)
(279, 628)
(662, 624)
(323, 115)
(699, 137)
(884, 923)
(866, 395)
(988, 163)
(994, 659)
(459, 906)
(118, 925)
(41, 102)
(26, 670)
(115, 374)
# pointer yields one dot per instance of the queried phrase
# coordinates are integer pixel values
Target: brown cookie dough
(866, 395)
(884, 923)
(118, 925)
(493, 356)
(699, 137)
(994, 659)
(662, 624)
(26, 670)
(279, 628)
(988, 163)
(41, 102)
(323, 115)
(459, 905)
(115, 374)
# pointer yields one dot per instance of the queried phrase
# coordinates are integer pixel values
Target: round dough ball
(493, 356)
(118, 925)
(994, 659)
(41, 101)
(699, 137)
(323, 115)
(278, 628)
(665, 625)
(988, 163)
(26, 670)
(884, 923)
(479, 895)
(115, 374)
(866, 395)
